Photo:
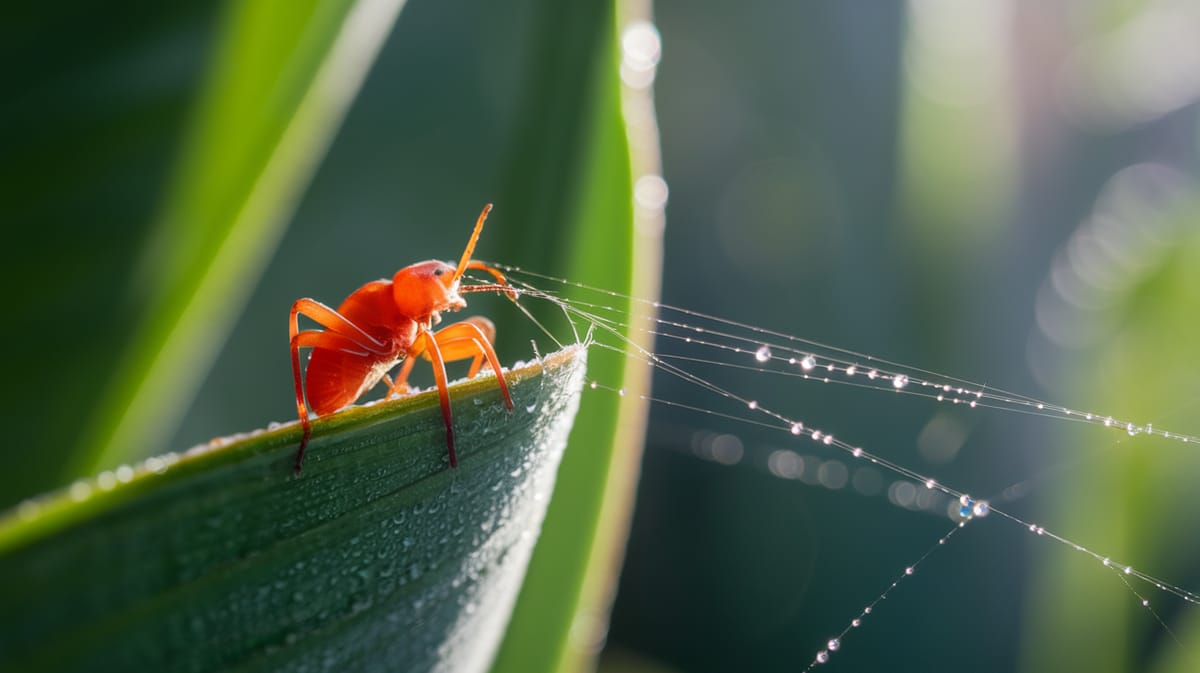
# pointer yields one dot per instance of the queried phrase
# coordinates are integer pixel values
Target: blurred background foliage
(1001, 191)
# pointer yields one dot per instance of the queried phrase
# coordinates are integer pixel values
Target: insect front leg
(472, 338)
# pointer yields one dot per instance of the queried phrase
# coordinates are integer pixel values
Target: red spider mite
(388, 321)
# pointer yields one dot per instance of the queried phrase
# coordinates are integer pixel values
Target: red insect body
(383, 323)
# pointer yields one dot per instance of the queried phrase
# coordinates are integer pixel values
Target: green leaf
(90, 126)
(573, 192)
(377, 557)
(283, 76)
(1135, 498)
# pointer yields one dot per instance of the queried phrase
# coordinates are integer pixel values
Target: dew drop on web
(763, 354)
(900, 381)
(808, 363)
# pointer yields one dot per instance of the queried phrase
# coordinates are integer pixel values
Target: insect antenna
(466, 256)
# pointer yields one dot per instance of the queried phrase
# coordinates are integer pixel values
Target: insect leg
(342, 334)
(333, 321)
(429, 347)
(298, 341)
(472, 338)
(401, 384)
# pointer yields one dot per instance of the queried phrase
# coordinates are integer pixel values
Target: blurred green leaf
(377, 557)
(1129, 498)
(281, 81)
(572, 191)
(89, 127)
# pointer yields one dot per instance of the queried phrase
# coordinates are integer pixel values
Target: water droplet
(929, 483)
(80, 491)
(834, 644)
(763, 354)
(858, 452)
(28, 509)
(106, 480)
(822, 657)
(851, 370)
(872, 374)
(593, 385)
(1132, 429)
(899, 381)
(808, 363)
(752, 404)
(856, 622)
(908, 570)
(797, 428)
(981, 509)
(1107, 562)
(1128, 570)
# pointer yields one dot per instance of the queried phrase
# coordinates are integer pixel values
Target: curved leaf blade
(377, 557)
(573, 178)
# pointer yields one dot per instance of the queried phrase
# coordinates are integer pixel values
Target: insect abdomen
(335, 379)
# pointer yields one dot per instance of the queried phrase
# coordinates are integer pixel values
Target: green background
(900, 180)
